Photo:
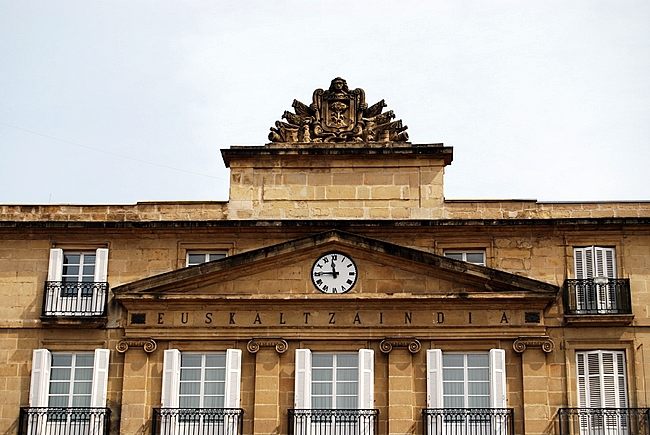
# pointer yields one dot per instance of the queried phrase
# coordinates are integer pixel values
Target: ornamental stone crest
(338, 115)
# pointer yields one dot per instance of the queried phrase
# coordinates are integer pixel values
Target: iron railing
(64, 421)
(468, 421)
(597, 296)
(604, 421)
(75, 299)
(333, 421)
(197, 421)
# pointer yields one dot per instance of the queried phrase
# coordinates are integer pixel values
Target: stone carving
(544, 342)
(255, 344)
(338, 115)
(148, 344)
(412, 344)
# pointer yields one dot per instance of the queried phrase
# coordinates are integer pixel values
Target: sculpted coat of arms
(338, 115)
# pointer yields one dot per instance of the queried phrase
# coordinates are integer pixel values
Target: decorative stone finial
(338, 115)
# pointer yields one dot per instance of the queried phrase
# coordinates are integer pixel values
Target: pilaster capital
(544, 342)
(147, 343)
(412, 344)
(255, 344)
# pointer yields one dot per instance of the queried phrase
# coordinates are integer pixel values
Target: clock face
(334, 273)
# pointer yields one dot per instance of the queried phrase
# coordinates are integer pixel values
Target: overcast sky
(126, 101)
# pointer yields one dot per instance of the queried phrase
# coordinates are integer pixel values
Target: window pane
(89, 259)
(215, 374)
(321, 375)
(215, 361)
(216, 256)
(195, 258)
(191, 360)
(82, 388)
(70, 270)
(347, 374)
(347, 361)
(59, 388)
(321, 402)
(452, 388)
(453, 402)
(452, 360)
(477, 360)
(190, 374)
(83, 374)
(478, 388)
(346, 388)
(60, 374)
(58, 401)
(213, 402)
(81, 401)
(89, 270)
(188, 402)
(479, 402)
(71, 258)
(320, 389)
(322, 360)
(346, 402)
(475, 257)
(453, 374)
(191, 388)
(454, 255)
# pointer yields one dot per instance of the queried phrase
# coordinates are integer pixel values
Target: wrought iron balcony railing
(604, 421)
(75, 299)
(468, 421)
(333, 421)
(597, 296)
(64, 421)
(197, 421)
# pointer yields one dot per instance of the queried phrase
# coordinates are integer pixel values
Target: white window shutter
(366, 379)
(100, 378)
(581, 368)
(171, 378)
(55, 269)
(579, 263)
(434, 378)
(605, 262)
(498, 378)
(302, 390)
(602, 382)
(40, 381)
(101, 265)
(233, 378)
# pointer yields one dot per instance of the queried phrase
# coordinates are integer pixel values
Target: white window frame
(595, 263)
(497, 361)
(435, 397)
(39, 391)
(205, 253)
(464, 252)
(60, 298)
(171, 386)
(601, 380)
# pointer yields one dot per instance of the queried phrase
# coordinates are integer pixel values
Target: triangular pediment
(385, 271)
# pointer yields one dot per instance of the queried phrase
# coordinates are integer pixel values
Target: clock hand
(334, 272)
(322, 273)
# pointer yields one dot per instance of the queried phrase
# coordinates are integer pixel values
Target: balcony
(604, 421)
(468, 421)
(197, 421)
(598, 299)
(333, 421)
(75, 299)
(64, 421)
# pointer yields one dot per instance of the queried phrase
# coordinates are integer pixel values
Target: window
(68, 392)
(601, 384)
(199, 257)
(201, 380)
(334, 393)
(76, 283)
(473, 256)
(466, 380)
(200, 393)
(334, 380)
(601, 379)
(596, 290)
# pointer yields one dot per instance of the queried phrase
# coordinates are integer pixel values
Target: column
(534, 370)
(267, 413)
(136, 413)
(401, 397)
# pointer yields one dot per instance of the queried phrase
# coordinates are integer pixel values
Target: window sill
(599, 319)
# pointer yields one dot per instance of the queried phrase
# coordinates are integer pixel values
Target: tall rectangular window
(71, 379)
(202, 381)
(466, 380)
(601, 379)
(335, 381)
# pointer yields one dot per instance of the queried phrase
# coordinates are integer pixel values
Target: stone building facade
(336, 292)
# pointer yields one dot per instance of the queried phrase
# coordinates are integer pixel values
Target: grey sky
(547, 100)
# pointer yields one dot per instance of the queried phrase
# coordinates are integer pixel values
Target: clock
(334, 272)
